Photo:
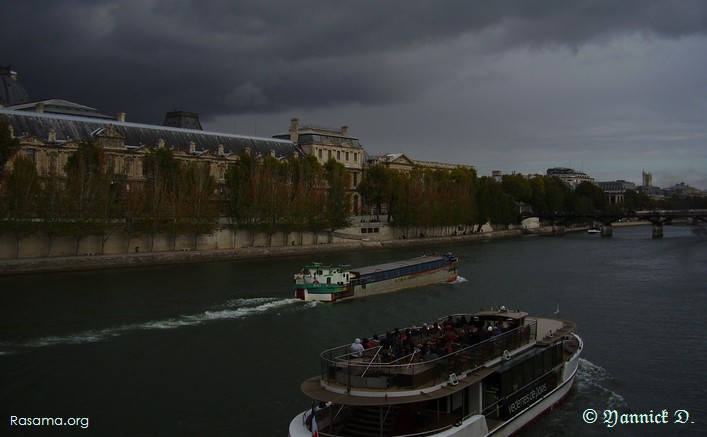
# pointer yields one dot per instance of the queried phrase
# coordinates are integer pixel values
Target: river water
(221, 348)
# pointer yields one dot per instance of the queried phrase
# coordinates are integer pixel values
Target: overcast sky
(610, 87)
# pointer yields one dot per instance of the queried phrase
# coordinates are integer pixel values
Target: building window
(347, 156)
(328, 154)
(355, 157)
(355, 180)
(338, 155)
(320, 153)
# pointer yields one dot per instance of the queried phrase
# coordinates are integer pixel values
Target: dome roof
(12, 91)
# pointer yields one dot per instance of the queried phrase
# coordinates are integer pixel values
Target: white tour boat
(482, 374)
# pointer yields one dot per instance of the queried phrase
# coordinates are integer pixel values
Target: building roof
(85, 128)
(616, 186)
(60, 106)
(12, 91)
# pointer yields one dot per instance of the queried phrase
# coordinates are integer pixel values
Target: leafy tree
(197, 212)
(51, 210)
(376, 187)
(464, 181)
(495, 206)
(8, 145)
(517, 186)
(19, 201)
(133, 215)
(338, 202)
(633, 200)
(557, 194)
(90, 202)
(161, 172)
(538, 194)
(309, 194)
(272, 202)
(588, 199)
(239, 194)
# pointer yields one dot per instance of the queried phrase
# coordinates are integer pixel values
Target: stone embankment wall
(226, 238)
(85, 261)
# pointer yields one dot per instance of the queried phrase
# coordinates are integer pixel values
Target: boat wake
(232, 309)
(588, 391)
(591, 384)
(459, 280)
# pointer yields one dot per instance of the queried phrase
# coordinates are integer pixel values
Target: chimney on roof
(294, 130)
(182, 119)
(192, 147)
(121, 117)
(219, 150)
(39, 107)
(51, 136)
(345, 131)
(160, 143)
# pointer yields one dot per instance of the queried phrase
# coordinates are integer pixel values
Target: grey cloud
(497, 73)
(329, 52)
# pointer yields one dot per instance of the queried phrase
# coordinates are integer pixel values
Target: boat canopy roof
(502, 313)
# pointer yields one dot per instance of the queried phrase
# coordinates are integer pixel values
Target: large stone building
(50, 138)
(330, 143)
(50, 130)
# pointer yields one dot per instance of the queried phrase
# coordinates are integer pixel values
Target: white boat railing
(370, 371)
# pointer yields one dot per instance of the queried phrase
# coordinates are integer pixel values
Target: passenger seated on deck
(460, 322)
(375, 341)
(356, 349)
(430, 355)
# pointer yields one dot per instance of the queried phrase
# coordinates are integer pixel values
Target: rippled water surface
(221, 348)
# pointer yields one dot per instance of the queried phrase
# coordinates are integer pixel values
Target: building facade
(570, 176)
(615, 191)
(50, 138)
(330, 143)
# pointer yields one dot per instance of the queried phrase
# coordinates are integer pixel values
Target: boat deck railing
(341, 368)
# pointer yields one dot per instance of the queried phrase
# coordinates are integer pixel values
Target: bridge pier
(657, 231)
(607, 230)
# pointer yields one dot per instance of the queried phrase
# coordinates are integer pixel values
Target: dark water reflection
(221, 348)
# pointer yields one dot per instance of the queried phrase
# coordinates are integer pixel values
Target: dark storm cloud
(499, 84)
(218, 57)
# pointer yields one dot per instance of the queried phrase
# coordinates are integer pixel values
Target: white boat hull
(493, 422)
(475, 426)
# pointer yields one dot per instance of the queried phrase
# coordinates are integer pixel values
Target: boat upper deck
(464, 345)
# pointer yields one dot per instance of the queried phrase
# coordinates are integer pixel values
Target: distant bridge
(658, 218)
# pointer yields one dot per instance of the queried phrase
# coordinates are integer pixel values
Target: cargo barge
(328, 283)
